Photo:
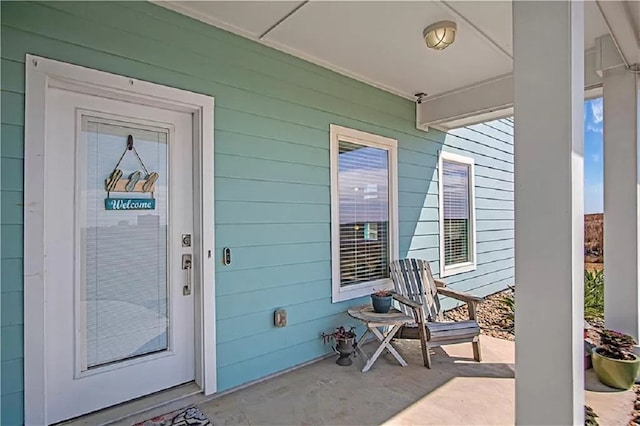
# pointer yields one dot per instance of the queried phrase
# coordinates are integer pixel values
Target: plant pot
(588, 348)
(616, 373)
(587, 361)
(381, 304)
(344, 348)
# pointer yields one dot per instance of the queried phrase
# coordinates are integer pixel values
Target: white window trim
(41, 75)
(458, 268)
(339, 133)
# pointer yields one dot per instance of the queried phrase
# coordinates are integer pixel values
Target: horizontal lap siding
(11, 220)
(492, 151)
(272, 172)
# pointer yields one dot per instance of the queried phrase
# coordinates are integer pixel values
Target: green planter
(619, 374)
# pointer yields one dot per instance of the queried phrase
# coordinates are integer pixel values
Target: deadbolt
(186, 240)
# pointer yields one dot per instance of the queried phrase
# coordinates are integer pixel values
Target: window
(457, 214)
(364, 218)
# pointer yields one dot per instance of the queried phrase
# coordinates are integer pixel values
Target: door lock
(186, 265)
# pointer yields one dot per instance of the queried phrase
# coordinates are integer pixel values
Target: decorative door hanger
(138, 182)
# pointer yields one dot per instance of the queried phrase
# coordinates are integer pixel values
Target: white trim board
(339, 133)
(42, 74)
(466, 266)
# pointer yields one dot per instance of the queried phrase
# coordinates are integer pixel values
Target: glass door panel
(123, 216)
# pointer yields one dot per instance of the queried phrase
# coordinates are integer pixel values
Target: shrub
(508, 308)
(593, 294)
(590, 416)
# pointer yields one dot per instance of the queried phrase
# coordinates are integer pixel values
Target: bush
(593, 294)
(508, 308)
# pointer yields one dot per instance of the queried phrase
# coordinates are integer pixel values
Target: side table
(394, 319)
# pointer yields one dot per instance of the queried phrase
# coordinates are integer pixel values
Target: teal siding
(272, 173)
(491, 147)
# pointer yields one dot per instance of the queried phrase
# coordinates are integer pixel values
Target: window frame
(468, 266)
(337, 134)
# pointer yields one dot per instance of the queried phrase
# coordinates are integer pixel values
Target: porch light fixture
(440, 35)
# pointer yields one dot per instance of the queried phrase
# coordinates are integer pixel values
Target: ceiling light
(440, 35)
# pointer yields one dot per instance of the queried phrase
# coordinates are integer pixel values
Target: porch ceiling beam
(485, 101)
(607, 54)
(623, 28)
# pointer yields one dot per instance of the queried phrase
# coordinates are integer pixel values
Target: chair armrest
(459, 295)
(440, 283)
(406, 301)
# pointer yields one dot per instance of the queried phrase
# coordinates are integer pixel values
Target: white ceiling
(380, 42)
(247, 18)
(634, 13)
(385, 45)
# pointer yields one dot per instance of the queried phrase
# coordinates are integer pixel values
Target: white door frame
(42, 74)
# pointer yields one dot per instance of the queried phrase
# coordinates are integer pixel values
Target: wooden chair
(417, 291)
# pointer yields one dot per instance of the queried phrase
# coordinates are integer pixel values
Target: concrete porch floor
(455, 391)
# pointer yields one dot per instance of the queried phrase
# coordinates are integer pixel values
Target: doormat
(190, 416)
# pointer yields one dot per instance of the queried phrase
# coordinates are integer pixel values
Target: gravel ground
(493, 319)
(491, 316)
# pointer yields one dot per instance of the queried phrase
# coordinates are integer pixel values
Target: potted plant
(614, 363)
(345, 344)
(381, 301)
(590, 416)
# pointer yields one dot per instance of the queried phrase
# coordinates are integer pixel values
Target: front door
(118, 256)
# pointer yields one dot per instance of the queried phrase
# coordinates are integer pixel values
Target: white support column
(548, 42)
(621, 202)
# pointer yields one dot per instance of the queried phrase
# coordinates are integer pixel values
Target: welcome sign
(137, 182)
(129, 203)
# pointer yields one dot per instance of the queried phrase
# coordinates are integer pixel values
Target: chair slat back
(412, 278)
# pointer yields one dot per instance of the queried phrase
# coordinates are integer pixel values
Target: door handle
(186, 265)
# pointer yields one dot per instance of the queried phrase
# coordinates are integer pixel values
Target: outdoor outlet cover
(280, 318)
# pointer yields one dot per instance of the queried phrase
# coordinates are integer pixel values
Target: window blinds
(126, 311)
(363, 186)
(456, 213)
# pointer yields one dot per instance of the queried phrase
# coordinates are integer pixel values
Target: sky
(593, 120)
